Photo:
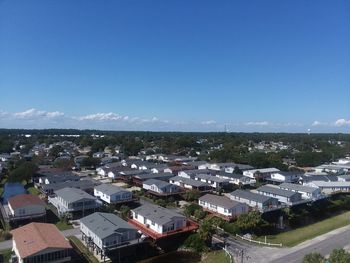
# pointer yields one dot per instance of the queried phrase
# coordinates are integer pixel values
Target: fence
(229, 254)
(259, 242)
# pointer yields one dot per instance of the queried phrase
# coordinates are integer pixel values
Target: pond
(12, 189)
(175, 257)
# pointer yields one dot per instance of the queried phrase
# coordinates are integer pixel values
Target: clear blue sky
(175, 65)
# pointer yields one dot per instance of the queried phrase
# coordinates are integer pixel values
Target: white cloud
(342, 122)
(257, 123)
(319, 123)
(110, 116)
(3, 113)
(209, 122)
(54, 114)
(34, 113)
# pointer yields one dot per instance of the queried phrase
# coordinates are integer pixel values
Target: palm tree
(206, 231)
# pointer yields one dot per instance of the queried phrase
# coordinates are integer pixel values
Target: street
(339, 238)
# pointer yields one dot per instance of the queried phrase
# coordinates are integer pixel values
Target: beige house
(39, 243)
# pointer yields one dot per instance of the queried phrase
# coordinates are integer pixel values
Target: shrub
(195, 242)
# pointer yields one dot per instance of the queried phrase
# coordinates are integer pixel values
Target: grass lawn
(54, 219)
(63, 225)
(6, 255)
(294, 237)
(216, 257)
(32, 190)
(77, 244)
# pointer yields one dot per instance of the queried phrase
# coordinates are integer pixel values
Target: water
(12, 189)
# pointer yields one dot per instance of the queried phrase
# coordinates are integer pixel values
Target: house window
(213, 206)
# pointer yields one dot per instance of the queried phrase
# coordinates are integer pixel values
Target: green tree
(339, 256)
(250, 221)
(206, 231)
(55, 151)
(124, 211)
(190, 209)
(199, 214)
(64, 163)
(90, 162)
(192, 195)
(24, 172)
(195, 242)
(314, 258)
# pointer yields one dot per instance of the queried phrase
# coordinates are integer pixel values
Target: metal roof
(110, 189)
(157, 214)
(298, 187)
(188, 181)
(105, 224)
(158, 183)
(71, 195)
(221, 201)
(276, 191)
(251, 196)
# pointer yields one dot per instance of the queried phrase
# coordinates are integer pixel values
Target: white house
(104, 231)
(213, 181)
(160, 187)
(284, 196)
(112, 194)
(237, 179)
(191, 174)
(331, 187)
(222, 205)
(254, 200)
(158, 219)
(25, 206)
(285, 177)
(70, 200)
(261, 173)
(187, 183)
(228, 167)
(306, 192)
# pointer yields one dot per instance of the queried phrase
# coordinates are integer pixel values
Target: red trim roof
(24, 200)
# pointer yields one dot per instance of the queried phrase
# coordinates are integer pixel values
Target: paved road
(339, 238)
(70, 232)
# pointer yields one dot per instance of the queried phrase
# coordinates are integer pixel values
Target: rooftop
(276, 191)
(157, 214)
(158, 183)
(164, 176)
(221, 201)
(298, 187)
(188, 181)
(71, 195)
(109, 189)
(24, 200)
(105, 224)
(264, 170)
(35, 237)
(251, 196)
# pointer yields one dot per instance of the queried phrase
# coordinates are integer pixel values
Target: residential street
(323, 244)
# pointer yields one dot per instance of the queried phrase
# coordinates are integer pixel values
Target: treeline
(305, 149)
